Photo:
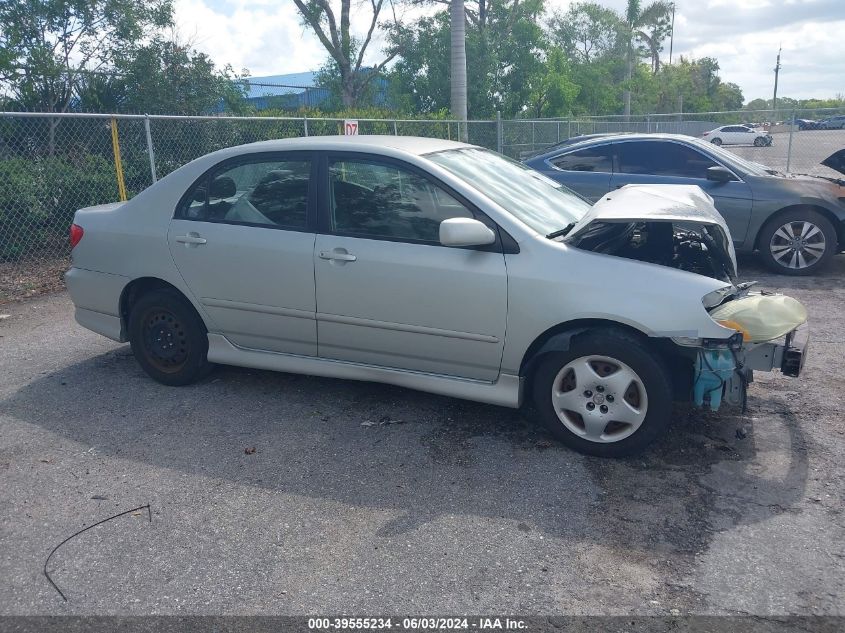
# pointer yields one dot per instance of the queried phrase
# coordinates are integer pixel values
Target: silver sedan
(438, 266)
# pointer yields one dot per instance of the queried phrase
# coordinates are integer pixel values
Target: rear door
(243, 240)
(587, 170)
(388, 293)
(669, 162)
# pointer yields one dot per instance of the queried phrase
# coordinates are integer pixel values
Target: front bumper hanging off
(723, 373)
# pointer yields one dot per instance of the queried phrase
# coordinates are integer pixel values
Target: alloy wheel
(599, 398)
(797, 244)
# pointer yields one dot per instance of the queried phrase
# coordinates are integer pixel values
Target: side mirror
(718, 173)
(465, 232)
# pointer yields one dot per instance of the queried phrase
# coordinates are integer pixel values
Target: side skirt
(505, 392)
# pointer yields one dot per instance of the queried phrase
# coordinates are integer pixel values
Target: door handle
(337, 256)
(191, 238)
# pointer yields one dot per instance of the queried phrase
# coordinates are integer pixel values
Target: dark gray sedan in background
(796, 223)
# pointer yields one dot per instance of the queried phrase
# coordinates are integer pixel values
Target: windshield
(734, 161)
(539, 202)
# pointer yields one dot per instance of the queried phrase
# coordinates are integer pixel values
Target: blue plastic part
(713, 368)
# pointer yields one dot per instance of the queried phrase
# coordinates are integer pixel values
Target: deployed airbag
(761, 317)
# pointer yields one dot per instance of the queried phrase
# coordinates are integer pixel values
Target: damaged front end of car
(678, 227)
(771, 334)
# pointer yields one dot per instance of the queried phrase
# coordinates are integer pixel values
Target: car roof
(409, 144)
(620, 136)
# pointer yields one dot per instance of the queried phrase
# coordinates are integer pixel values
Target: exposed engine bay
(689, 246)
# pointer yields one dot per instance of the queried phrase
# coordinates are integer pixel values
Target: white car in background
(738, 135)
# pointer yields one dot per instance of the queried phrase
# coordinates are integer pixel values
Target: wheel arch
(837, 224)
(137, 288)
(558, 339)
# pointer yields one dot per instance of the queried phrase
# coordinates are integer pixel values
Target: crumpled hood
(658, 203)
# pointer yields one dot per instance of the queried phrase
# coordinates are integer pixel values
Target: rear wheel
(797, 242)
(168, 338)
(716, 141)
(608, 395)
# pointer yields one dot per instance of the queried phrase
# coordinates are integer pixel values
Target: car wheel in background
(797, 242)
(759, 141)
(168, 338)
(608, 395)
(716, 141)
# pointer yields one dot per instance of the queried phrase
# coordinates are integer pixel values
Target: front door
(243, 240)
(388, 293)
(670, 163)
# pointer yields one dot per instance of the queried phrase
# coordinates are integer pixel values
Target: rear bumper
(96, 297)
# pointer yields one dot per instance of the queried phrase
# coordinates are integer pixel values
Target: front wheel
(716, 141)
(168, 338)
(759, 141)
(608, 395)
(797, 242)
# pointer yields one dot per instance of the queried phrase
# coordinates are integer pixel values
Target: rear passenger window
(596, 159)
(265, 192)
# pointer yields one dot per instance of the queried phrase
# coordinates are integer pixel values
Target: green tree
(587, 32)
(48, 47)
(506, 51)
(642, 25)
(554, 91)
(332, 26)
(165, 77)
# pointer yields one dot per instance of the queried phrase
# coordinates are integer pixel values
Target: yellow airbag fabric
(762, 317)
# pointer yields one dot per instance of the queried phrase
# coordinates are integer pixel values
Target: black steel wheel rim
(165, 341)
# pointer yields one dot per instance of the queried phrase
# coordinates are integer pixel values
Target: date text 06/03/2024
(417, 623)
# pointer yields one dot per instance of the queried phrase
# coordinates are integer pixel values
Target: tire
(759, 141)
(168, 338)
(620, 388)
(797, 242)
(716, 141)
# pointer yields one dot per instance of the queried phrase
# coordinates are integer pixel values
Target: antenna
(777, 71)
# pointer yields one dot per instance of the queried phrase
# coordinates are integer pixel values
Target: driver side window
(380, 200)
(262, 193)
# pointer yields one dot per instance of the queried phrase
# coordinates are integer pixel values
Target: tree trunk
(348, 95)
(459, 65)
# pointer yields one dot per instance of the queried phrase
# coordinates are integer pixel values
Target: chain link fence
(52, 164)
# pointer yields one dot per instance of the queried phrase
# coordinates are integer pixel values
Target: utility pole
(777, 71)
(672, 34)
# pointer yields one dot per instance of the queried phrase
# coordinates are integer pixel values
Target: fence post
(150, 148)
(533, 135)
(118, 164)
(648, 124)
(789, 148)
(305, 123)
(395, 128)
(499, 136)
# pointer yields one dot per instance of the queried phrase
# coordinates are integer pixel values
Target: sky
(267, 38)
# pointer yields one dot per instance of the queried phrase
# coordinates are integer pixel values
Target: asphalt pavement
(282, 494)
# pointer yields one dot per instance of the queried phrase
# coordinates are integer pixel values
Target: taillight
(76, 234)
